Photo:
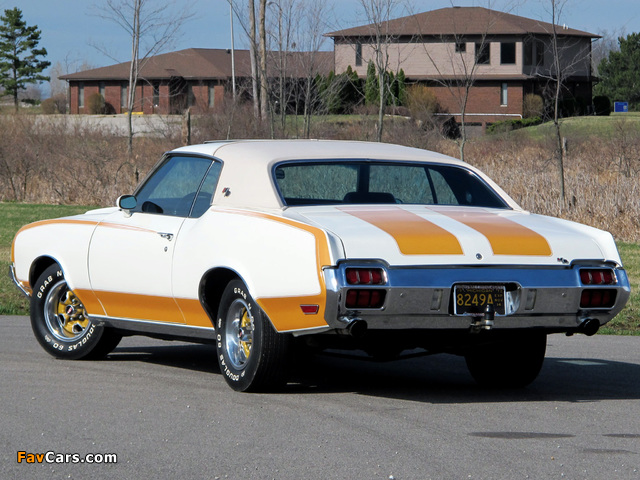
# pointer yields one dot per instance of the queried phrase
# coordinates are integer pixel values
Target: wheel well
(39, 266)
(211, 287)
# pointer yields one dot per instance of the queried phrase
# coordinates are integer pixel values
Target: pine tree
(371, 91)
(402, 88)
(620, 72)
(19, 64)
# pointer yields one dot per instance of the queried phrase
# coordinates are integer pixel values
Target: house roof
(461, 21)
(207, 64)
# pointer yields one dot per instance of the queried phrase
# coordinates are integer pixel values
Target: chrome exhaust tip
(589, 327)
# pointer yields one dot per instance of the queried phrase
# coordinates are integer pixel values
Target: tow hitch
(485, 322)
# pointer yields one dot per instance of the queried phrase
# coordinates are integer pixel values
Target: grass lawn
(15, 215)
(602, 127)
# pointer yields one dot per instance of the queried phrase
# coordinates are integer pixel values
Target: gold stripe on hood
(505, 236)
(414, 234)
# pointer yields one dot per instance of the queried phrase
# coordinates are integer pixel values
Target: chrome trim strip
(159, 328)
(12, 276)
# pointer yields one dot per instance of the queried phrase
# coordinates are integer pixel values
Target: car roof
(246, 174)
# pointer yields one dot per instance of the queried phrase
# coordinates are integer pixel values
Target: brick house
(502, 56)
(169, 83)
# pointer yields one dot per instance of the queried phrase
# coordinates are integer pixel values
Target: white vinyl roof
(248, 164)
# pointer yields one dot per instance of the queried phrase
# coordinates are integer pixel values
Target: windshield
(378, 182)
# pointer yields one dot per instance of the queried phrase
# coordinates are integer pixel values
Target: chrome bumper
(12, 276)
(421, 297)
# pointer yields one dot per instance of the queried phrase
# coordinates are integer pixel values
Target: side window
(203, 199)
(172, 187)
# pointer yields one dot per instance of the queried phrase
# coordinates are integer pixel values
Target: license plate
(473, 299)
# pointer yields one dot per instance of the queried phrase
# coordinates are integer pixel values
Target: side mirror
(126, 202)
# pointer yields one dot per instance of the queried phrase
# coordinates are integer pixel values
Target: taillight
(365, 276)
(598, 298)
(597, 276)
(365, 298)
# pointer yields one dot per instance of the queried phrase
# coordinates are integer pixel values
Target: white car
(259, 246)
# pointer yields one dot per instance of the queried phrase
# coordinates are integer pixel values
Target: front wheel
(251, 354)
(511, 362)
(61, 324)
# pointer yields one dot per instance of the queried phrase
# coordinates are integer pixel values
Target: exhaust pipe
(357, 328)
(589, 327)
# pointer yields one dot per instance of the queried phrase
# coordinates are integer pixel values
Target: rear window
(360, 182)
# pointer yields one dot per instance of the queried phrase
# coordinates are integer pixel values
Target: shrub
(49, 106)
(55, 104)
(95, 104)
(421, 101)
(602, 105)
(509, 125)
(533, 106)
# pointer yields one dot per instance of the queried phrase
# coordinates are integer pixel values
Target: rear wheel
(251, 354)
(60, 322)
(511, 362)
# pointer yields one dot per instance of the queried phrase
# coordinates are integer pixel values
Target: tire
(511, 362)
(252, 355)
(61, 324)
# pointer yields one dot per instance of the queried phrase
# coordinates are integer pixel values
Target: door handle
(168, 236)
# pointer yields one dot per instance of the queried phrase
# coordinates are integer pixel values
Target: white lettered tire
(251, 354)
(61, 324)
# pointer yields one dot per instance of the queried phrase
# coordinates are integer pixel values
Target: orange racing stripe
(414, 234)
(505, 236)
(284, 312)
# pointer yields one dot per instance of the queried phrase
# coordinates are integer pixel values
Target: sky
(74, 35)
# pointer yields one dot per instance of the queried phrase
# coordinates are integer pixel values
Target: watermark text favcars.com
(53, 457)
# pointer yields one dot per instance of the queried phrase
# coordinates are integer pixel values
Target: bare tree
(378, 13)
(253, 45)
(281, 33)
(309, 39)
(152, 26)
(569, 54)
(262, 41)
(245, 11)
(607, 43)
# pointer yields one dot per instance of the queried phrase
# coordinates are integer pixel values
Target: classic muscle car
(265, 247)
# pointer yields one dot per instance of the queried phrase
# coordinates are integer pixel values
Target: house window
(358, 54)
(527, 52)
(81, 95)
(508, 53)
(123, 96)
(101, 88)
(503, 95)
(191, 99)
(483, 53)
(539, 53)
(212, 94)
(156, 94)
(461, 47)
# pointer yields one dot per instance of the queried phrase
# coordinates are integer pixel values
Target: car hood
(416, 234)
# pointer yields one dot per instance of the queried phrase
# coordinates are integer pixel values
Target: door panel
(130, 263)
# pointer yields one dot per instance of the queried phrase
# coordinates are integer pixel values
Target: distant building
(196, 77)
(510, 56)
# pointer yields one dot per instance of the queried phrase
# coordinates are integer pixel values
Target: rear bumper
(422, 297)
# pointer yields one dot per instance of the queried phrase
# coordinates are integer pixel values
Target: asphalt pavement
(165, 411)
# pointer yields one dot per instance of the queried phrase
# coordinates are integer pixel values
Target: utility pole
(233, 55)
